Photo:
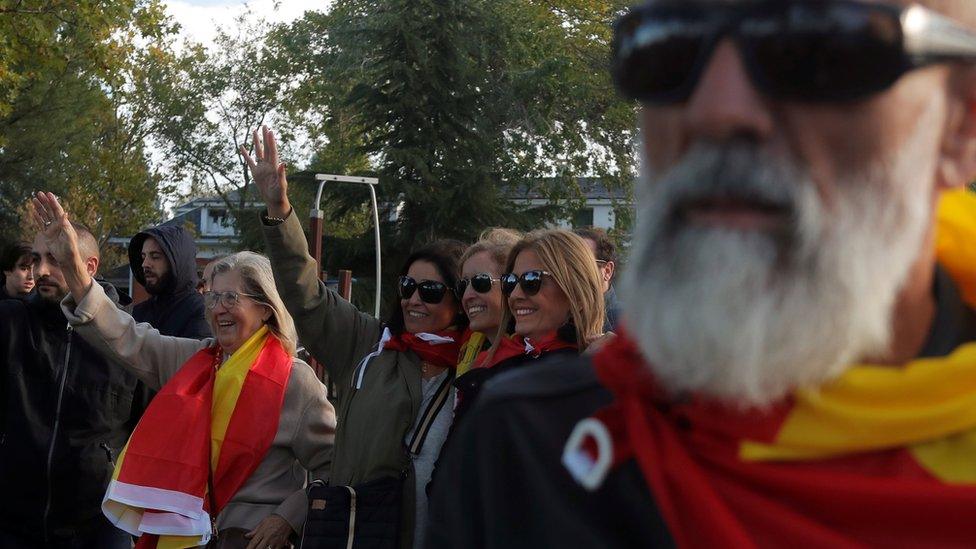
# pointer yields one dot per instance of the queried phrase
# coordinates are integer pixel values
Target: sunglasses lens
(406, 287)
(656, 53)
(481, 283)
(508, 283)
(531, 282)
(431, 292)
(825, 51)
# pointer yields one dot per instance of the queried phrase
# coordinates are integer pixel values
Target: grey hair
(258, 280)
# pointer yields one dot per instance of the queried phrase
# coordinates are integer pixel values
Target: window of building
(583, 217)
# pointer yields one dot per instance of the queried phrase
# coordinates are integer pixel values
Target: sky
(200, 19)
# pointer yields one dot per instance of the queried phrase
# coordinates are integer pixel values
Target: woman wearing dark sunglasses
(388, 376)
(553, 303)
(480, 291)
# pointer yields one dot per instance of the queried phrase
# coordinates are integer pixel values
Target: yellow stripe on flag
(878, 407)
(227, 387)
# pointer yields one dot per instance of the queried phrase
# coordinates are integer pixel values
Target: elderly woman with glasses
(225, 446)
(393, 379)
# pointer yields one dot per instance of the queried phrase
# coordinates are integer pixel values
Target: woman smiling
(223, 448)
(393, 379)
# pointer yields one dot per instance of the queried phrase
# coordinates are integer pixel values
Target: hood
(180, 250)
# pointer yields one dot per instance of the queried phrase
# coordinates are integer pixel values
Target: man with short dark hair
(605, 252)
(66, 414)
(163, 260)
(798, 364)
(18, 276)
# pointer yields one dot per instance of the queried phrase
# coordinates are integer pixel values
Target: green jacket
(373, 420)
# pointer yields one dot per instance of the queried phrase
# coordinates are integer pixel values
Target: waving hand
(268, 173)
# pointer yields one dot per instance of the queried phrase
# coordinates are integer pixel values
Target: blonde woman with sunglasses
(553, 304)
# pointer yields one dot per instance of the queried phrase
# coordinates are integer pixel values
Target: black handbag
(367, 515)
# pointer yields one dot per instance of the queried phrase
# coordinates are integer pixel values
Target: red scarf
(711, 496)
(442, 355)
(516, 345)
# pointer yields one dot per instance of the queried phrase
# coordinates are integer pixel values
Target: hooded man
(163, 260)
(65, 414)
(797, 364)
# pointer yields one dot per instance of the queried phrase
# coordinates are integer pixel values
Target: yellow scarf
(929, 405)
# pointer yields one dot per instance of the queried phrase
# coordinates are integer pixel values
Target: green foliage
(461, 104)
(66, 121)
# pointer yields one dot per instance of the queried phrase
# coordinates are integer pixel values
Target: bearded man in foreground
(797, 363)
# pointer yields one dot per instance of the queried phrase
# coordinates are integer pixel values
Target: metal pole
(372, 182)
(315, 227)
(376, 232)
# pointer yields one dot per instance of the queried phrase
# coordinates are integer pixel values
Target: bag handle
(427, 418)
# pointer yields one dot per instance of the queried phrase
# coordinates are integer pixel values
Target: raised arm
(151, 356)
(334, 331)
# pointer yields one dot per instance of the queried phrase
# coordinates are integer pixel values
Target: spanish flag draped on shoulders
(210, 426)
(881, 457)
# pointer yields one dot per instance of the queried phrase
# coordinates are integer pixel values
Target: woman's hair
(257, 280)
(12, 254)
(444, 255)
(573, 267)
(497, 241)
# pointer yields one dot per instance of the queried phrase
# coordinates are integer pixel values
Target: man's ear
(957, 161)
(611, 268)
(91, 265)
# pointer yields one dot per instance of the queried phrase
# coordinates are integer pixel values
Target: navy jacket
(177, 309)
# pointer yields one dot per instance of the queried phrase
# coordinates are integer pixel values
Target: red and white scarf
(440, 349)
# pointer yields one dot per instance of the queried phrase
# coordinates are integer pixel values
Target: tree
(463, 103)
(68, 125)
(205, 102)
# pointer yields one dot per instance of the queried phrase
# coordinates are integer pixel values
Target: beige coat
(306, 428)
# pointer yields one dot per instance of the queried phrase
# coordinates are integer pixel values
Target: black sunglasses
(829, 50)
(430, 291)
(480, 283)
(530, 281)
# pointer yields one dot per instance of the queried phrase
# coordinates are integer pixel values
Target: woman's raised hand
(268, 173)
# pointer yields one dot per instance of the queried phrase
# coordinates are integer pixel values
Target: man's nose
(726, 104)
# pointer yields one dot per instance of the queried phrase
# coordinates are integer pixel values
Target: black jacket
(64, 414)
(177, 308)
(501, 483)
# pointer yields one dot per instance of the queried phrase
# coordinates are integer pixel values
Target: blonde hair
(572, 265)
(258, 280)
(497, 241)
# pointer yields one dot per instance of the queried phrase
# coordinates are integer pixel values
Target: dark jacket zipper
(54, 437)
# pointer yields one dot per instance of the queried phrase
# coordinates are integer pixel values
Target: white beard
(746, 316)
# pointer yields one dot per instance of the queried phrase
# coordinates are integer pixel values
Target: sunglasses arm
(930, 36)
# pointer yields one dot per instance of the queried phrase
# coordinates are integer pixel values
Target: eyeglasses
(530, 281)
(430, 291)
(832, 50)
(228, 299)
(480, 283)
